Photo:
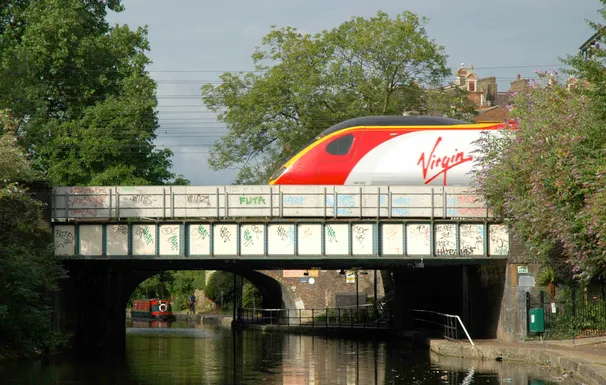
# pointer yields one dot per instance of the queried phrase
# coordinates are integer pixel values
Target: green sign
(522, 269)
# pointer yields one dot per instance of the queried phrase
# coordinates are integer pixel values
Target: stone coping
(586, 361)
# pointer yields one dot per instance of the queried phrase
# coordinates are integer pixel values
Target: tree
(593, 71)
(28, 268)
(220, 288)
(80, 93)
(157, 286)
(303, 84)
(251, 296)
(547, 177)
(176, 285)
(450, 103)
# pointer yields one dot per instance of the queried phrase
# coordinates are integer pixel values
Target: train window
(340, 146)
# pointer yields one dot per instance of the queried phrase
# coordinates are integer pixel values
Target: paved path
(585, 358)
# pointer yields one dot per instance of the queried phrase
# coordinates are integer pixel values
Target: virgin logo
(436, 165)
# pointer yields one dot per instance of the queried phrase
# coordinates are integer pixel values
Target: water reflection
(507, 372)
(181, 353)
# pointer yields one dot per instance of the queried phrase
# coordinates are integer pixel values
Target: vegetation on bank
(178, 286)
(78, 109)
(549, 176)
(29, 271)
(220, 290)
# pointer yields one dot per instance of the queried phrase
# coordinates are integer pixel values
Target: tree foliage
(548, 176)
(175, 285)
(77, 99)
(220, 288)
(28, 268)
(303, 84)
(251, 296)
(79, 91)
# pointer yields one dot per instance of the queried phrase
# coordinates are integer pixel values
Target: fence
(123, 202)
(447, 325)
(572, 318)
(362, 317)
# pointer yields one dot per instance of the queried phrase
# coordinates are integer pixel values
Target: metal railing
(575, 317)
(448, 325)
(267, 201)
(362, 317)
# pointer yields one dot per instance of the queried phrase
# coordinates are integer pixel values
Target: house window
(340, 146)
(472, 86)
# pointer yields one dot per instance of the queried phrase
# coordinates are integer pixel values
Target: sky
(193, 42)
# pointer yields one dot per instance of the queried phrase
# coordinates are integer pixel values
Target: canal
(204, 354)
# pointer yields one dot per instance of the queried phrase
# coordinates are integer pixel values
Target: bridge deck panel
(282, 240)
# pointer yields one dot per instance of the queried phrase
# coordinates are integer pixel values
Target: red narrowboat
(154, 309)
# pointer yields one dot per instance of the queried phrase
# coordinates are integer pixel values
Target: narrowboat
(154, 309)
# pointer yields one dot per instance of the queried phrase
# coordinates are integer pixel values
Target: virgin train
(388, 150)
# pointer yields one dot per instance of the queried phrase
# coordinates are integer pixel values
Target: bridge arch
(91, 303)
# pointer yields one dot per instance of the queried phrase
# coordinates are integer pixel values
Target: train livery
(387, 150)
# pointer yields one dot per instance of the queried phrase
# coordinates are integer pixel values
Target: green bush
(220, 288)
(177, 286)
(29, 270)
(251, 298)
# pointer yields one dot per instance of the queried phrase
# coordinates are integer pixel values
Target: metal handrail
(316, 317)
(267, 201)
(448, 325)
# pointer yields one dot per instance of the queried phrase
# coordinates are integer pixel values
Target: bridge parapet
(180, 202)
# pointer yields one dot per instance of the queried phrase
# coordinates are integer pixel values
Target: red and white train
(388, 150)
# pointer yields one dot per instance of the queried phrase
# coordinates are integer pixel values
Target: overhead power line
(151, 70)
(455, 68)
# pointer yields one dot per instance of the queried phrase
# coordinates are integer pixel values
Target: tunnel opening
(92, 303)
(193, 292)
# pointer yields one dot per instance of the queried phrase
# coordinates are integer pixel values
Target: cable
(256, 71)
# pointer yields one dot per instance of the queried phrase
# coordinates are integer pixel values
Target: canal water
(202, 354)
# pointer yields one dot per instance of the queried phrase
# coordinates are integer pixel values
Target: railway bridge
(443, 246)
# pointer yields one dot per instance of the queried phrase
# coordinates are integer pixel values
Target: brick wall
(518, 85)
(488, 86)
(328, 283)
(496, 114)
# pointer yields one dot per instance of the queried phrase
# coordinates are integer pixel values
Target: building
(592, 44)
(483, 92)
(491, 103)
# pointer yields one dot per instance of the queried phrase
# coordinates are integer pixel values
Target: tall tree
(80, 92)
(28, 268)
(304, 84)
(548, 176)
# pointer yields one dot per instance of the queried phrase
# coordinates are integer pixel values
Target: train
(388, 150)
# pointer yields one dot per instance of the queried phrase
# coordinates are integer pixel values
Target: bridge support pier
(92, 303)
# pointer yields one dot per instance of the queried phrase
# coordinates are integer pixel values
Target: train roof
(393, 120)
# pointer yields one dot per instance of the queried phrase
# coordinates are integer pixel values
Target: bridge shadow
(91, 303)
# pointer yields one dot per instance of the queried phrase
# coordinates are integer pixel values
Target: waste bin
(537, 320)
